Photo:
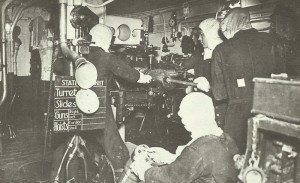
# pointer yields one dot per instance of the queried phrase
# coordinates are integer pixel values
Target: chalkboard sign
(67, 116)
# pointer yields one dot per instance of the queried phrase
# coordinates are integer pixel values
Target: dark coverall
(202, 68)
(108, 66)
(209, 159)
(235, 63)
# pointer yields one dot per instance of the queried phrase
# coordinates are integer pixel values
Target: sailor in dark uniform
(208, 157)
(246, 54)
(108, 66)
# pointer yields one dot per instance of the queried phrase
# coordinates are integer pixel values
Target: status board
(67, 116)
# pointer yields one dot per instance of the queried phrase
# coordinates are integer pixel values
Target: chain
(254, 157)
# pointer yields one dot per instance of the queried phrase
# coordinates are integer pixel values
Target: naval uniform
(235, 63)
(202, 68)
(209, 159)
(108, 66)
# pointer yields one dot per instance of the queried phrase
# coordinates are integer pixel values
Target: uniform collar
(245, 32)
(97, 47)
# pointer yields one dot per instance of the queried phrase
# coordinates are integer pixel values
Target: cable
(72, 155)
(56, 179)
(80, 154)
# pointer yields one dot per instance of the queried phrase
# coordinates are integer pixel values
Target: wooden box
(278, 99)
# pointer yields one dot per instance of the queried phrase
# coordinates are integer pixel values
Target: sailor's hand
(144, 78)
(202, 84)
(161, 156)
(189, 89)
(191, 71)
(139, 167)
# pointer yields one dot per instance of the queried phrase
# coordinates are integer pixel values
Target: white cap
(210, 28)
(198, 104)
(101, 36)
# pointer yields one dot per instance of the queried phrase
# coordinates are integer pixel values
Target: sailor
(246, 54)
(208, 157)
(108, 67)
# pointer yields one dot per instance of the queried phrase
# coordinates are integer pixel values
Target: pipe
(63, 33)
(17, 10)
(3, 47)
(170, 80)
(13, 47)
(80, 155)
(16, 18)
(70, 144)
(86, 72)
(76, 143)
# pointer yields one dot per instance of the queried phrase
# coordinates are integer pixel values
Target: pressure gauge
(254, 175)
(172, 22)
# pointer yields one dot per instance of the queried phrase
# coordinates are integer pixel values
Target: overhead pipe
(16, 18)
(17, 10)
(14, 48)
(86, 72)
(3, 66)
